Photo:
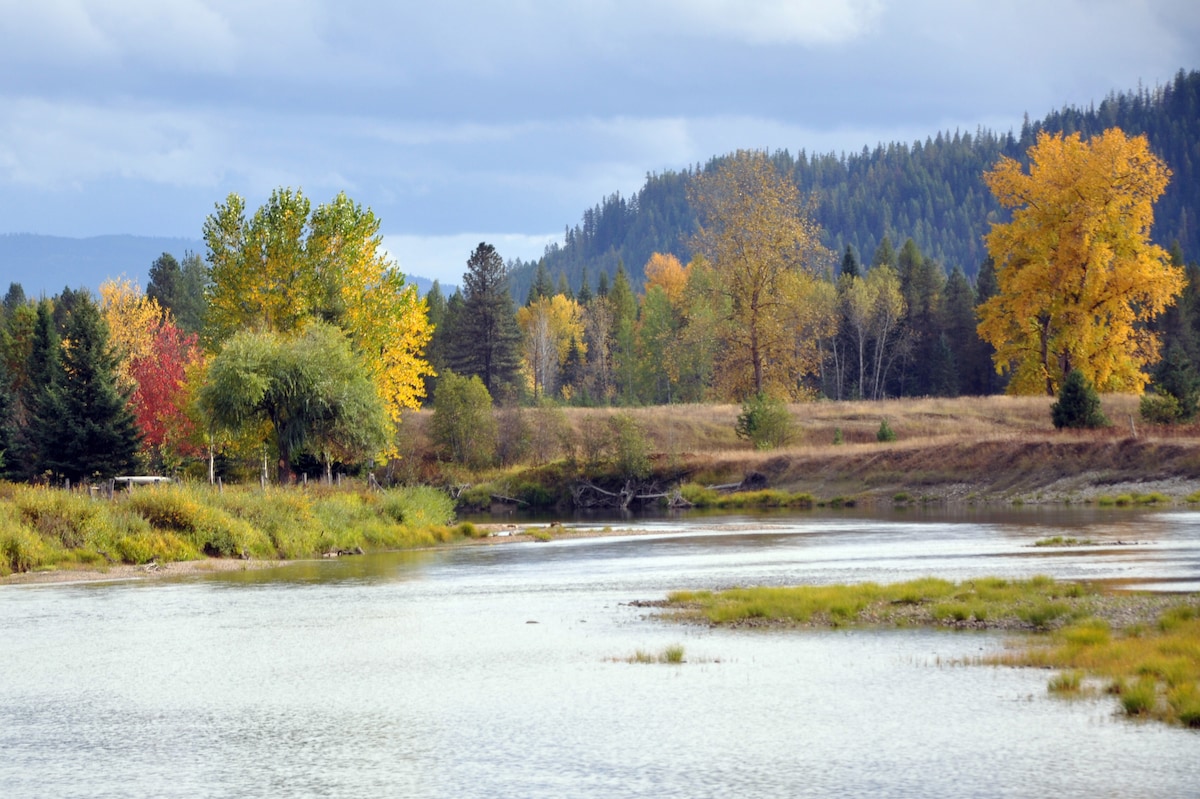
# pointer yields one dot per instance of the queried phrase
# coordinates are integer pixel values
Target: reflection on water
(498, 671)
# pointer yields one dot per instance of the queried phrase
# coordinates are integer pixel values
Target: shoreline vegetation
(1142, 648)
(966, 451)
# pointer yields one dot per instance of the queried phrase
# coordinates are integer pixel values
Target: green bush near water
(45, 528)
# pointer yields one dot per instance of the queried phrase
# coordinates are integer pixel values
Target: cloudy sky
(461, 120)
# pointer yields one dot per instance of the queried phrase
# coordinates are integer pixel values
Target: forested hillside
(930, 191)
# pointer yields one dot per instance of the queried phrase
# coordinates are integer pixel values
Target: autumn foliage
(159, 399)
(1078, 276)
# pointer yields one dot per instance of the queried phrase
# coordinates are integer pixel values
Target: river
(502, 671)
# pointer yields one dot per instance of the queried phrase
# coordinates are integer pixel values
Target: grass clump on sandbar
(44, 528)
(1152, 669)
(1142, 648)
(991, 602)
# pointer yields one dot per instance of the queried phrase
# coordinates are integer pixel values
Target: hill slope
(931, 191)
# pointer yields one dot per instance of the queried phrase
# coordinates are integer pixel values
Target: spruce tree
(38, 396)
(8, 427)
(1078, 404)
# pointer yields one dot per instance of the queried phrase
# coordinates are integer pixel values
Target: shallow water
(500, 671)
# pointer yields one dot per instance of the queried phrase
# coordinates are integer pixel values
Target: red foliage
(158, 401)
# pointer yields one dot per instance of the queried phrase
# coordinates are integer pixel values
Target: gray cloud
(137, 115)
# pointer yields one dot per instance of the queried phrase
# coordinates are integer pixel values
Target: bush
(1078, 404)
(885, 432)
(1156, 408)
(631, 447)
(463, 426)
(765, 422)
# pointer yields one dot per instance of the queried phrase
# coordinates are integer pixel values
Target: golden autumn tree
(765, 252)
(133, 322)
(1078, 276)
(290, 264)
(665, 271)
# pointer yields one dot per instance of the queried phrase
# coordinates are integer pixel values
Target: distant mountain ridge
(45, 265)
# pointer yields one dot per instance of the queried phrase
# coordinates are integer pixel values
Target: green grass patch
(44, 528)
(673, 655)
(1064, 541)
(703, 497)
(1038, 602)
(1153, 670)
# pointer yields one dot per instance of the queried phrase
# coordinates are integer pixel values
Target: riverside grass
(1143, 649)
(43, 528)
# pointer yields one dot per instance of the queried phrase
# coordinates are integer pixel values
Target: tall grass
(45, 528)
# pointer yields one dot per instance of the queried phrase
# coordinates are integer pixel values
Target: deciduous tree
(310, 388)
(286, 267)
(764, 249)
(1078, 276)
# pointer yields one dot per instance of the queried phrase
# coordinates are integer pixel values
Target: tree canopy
(1078, 276)
(289, 265)
(765, 251)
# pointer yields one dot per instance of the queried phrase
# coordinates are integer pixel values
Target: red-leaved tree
(159, 399)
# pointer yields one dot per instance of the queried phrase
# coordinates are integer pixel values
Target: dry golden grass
(946, 449)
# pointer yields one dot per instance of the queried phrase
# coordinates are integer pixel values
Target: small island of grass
(1143, 648)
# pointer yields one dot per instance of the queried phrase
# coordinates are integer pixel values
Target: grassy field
(967, 449)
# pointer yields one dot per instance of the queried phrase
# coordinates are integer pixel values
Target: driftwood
(585, 494)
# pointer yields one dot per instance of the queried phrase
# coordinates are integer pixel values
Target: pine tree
(486, 341)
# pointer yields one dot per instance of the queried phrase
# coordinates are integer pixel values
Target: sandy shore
(124, 571)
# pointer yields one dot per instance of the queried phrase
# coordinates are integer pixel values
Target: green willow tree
(310, 390)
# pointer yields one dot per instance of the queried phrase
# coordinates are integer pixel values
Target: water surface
(500, 671)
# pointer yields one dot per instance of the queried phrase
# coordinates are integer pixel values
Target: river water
(502, 671)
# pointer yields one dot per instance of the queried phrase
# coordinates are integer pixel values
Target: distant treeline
(931, 192)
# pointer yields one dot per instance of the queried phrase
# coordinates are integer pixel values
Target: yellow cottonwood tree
(666, 272)
(1078, 276)
(765, 251)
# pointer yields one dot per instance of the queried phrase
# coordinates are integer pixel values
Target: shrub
(765, 422)
(1078, 404)
(631, 447)
(463, 426)
(885, 432)
(1157, 408)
